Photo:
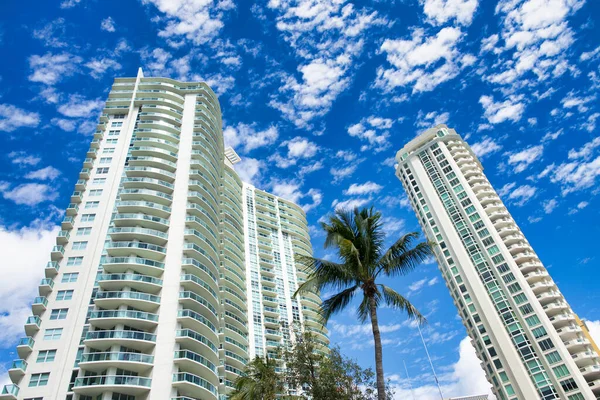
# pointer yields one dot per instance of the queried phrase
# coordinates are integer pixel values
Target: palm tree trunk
(378, 350)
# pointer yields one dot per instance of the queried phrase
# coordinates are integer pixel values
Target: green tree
(260, 381)
(327, 376)
(358, 237)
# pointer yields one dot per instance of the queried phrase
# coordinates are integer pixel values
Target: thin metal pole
(412, 393)
(430, 363)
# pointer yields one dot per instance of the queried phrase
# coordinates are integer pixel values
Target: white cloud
(248, 137)
(297, 148)
(69, 3)
(465, 377)
(430, 119)
(417, 286)
(48, 173)
(572, 101)
(342, 172)
(67, 125)
(22, 158)
(316, 197)
(423, 62)
(392, 225)
(52, 68)
(327, 35)
(79, 106)
(576, 175)
(549, 205)
(13, 118)
(99, 66)
(485, 146)
(30, 193)
(497, 112)
(586, 151)
(108, 24)
(197, 21)
(590, 55)
(27, 249)
(351, 331)
(441, 11)
(350, 204)
(550, 136)
(374, 131)
(364, 188)
(518, 195)
(52, 33)
(250, 170)
(522, 159)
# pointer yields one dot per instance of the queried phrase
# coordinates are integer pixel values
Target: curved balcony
(153, 196)
(518, 247)
(190, 319)
(525, 256)
(235, 359)
(595, 386)
(542, 286)
(9, 392)
(17, 370)
(168, 94)
(39, 305)
(162, 109)
(556, 307)
(508, 230)
(142, 283)
(98, 362)
(591, 372)
(199, 269)
(25, 347)
(142, 151)
(140, 265)
(194, 386)
(529, 266)
(148, 183)
(124, 234)
(95, 385)
(163, 144)
(150, 172)
(569, 332)
(536, 276)
(198, 285)
(513, 239)
(155, 162)
(142, 220)
(67, 223)
(106, 319)
(46, 287)
(161, 117)
(138, 300)
(32, 325)
(199, 304)
(577, 345)
(56, 254)
(197, 364)
(139, 249)
(199, 343)
(562, 320)
(146, 100)
(585, 358)
(143, 207)
(52, 267)
(105, 339)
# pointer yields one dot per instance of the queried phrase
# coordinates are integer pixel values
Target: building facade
(169, 272)
(523, 330)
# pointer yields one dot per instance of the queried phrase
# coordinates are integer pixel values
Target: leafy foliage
(260, 382)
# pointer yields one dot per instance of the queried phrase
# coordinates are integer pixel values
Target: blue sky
(317, 96)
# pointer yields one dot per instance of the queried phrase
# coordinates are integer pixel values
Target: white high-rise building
(525, 334)
(169, 272)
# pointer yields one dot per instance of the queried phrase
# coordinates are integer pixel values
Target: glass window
(70, 277)
(64, 295)
(98, 181)
(39, 379)
(115, 124)
(59, 313)
(95, 192)
(83, 231)
(91, 204)
(105, 160)
(74, 261)
(553, 357)
(46, 356)
(568, 384)
(112, 141)
(108, 150)
(102, 170)
(79, 245)
(561, 371)
(88, 217)
(53, 334)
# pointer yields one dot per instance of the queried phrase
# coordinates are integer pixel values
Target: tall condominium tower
(524, 331)
(169, 272)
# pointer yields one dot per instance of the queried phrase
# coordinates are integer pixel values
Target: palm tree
(260, 381)
(358, 236)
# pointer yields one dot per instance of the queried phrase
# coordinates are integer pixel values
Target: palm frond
(396, 300)
(336, 303)
(400, 259)
(323, 273)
